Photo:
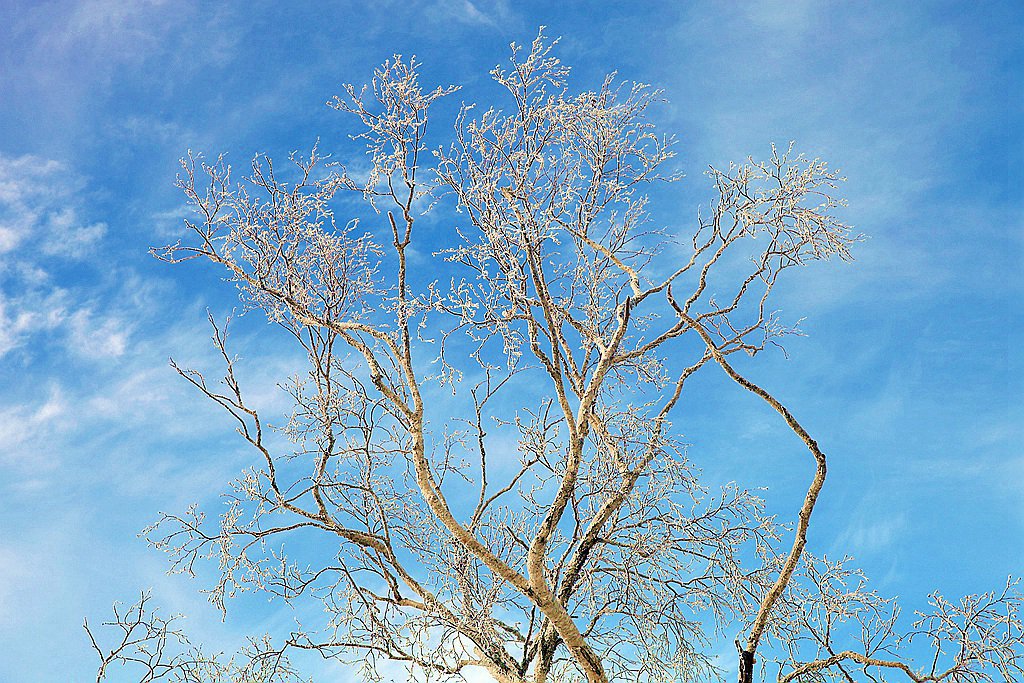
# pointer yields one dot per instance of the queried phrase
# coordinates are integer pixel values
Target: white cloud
(105, 33)
(872, 536)
(83, 330)
(21, 177)
(93, 336)
(40, 210)
(41, 230)
(9, 238)
(23, 426)
(470, 13)
(68, 236)
(168, 225)
(29, 314)
(492, 13)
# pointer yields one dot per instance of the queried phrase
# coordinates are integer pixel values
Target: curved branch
(804, 519)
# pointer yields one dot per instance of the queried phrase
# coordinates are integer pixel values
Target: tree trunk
(746, 667)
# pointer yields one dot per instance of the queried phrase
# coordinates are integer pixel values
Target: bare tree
(482, 448)
(157, 649)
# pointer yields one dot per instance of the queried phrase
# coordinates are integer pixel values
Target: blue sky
(910, 375)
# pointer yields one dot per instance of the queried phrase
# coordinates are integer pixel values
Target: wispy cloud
(43, 233)
(495, 14)
(40, 210)
(469, 13)
(69, 237)
(32, 313)
(26, 428)
(872, 533)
